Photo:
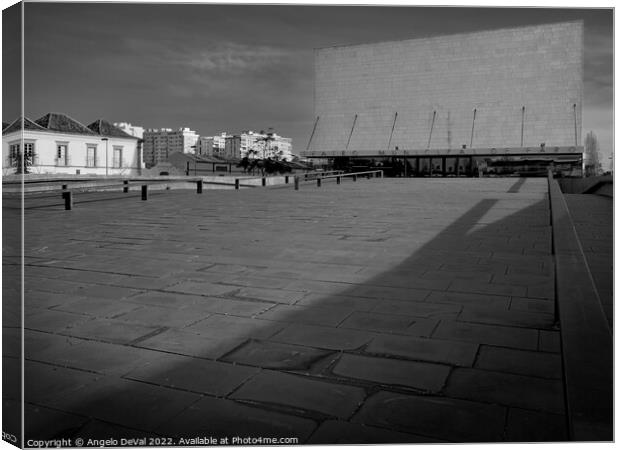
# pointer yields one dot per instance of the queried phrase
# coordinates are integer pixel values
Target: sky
(227, 67)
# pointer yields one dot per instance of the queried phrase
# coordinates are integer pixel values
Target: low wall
(587, 342)
(44, 183)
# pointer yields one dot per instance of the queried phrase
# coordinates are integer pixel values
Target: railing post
(199, 187)
(264, 181)
(126, 186)
(318, 181)
(236, 183)
(338, 180)
(368, 176)
(144, 192)
(354, 177)
(68, 200)
(296, 183)
(285, 179)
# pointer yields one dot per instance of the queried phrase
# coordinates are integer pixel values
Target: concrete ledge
(587, 343)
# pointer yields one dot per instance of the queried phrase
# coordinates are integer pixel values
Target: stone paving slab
(434, 417)
(520, 362)
(323, 337)
(338, 432)
(507, 389)
(190, 344)
(272, 355)
(192, 374)
(223, 418)
(331, 399)
(318, 313)
(39, 420)
(454, 353)
(135, 404)
(533, 426)
(418, 375)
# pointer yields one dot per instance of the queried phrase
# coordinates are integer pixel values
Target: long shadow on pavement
(456, 343)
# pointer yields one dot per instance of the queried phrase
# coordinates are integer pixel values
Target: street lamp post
(106, 155)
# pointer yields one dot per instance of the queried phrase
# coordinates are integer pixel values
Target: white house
(62, 145)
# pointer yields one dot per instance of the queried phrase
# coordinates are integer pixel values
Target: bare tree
(592, 155)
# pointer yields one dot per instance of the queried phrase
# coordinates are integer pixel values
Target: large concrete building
(159, 144)
(510, 93)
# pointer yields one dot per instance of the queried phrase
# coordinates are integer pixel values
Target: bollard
(285, 179)
(354, 177)
(337, 180)
(68, 200)
(199, 187)
(296, 183)
(236, 183)
(126, 186)
(144, 192)
(318, 182)
(264, 181)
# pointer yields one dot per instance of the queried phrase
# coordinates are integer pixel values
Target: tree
(592, 155)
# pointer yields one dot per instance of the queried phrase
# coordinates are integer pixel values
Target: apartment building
(160, 143)
(212, 145)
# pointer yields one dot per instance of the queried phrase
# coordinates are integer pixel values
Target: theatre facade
(499, 102)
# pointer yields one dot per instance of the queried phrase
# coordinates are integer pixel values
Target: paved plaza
(382, 310)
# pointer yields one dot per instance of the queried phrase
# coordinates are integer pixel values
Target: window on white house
(91, 156)
(13, 154)
(29, 152)
(62, 154)
(117, 161)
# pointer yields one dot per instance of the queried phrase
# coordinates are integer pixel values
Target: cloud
(233, 58)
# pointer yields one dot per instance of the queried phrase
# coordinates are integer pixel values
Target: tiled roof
(105, 128)
(63, 123)
(16, 125)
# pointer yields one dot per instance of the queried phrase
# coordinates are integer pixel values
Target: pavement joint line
(501, 324)
(148, 336)
(64, 366)
(315, 416)
(46, 266)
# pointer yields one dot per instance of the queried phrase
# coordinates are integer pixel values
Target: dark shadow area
(517, 186)
(357, 389)
(11, 329)
(592, 216)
